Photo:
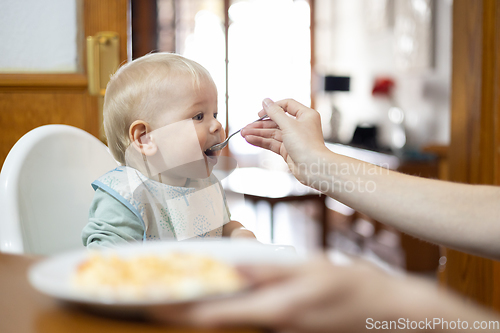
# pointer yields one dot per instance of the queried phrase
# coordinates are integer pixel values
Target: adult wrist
(319, 169)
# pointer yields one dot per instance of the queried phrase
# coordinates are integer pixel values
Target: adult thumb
(275, 112)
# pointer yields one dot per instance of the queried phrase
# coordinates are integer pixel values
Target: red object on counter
(383, 86)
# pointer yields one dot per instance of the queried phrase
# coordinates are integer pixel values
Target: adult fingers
(267, 123)
(264, 133)
(259, 306)
(256, 308)
(292, 107)
(272, 306)
(269, 144)
(266, 274)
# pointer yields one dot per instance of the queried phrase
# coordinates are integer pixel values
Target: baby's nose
(215, 126)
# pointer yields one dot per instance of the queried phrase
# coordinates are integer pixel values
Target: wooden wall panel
(21, 112)
(474, 152)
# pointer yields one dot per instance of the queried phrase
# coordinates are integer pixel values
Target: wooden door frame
(474, 153)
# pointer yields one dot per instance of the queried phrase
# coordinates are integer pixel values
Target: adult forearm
(451, 214)
(456, 215)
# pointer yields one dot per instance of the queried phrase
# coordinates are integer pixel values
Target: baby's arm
(110, 223)
(235, 229)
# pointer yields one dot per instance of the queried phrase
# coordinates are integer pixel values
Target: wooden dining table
(25, 310)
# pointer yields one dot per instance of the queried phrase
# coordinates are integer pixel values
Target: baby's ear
(147, 145)
(142, 140)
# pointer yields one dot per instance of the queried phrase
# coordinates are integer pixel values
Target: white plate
(53, 275)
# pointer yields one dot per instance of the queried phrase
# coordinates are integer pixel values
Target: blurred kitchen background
(378, 71)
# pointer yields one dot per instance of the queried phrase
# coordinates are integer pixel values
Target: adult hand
(316, 297)
(298, 139)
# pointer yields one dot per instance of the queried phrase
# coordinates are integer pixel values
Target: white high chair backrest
(45, 190)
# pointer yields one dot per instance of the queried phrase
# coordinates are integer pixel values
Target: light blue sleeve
(110, 223)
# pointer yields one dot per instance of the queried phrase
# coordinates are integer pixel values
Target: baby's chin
(210, 162)
(199, 169)
(211, 158)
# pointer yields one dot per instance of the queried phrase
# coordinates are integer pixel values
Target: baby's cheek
(202, 137)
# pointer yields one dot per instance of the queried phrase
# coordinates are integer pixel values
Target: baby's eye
(215, 115)
(199, 116)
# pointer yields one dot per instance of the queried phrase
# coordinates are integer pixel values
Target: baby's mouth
(211, 153)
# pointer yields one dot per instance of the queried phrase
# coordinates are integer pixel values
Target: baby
(160, 117)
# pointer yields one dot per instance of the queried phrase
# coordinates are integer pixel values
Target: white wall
(346, 46)
(38, 36)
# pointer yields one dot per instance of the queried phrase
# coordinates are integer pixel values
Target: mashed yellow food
(175, 276)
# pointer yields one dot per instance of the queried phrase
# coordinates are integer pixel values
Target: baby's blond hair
(137, 91)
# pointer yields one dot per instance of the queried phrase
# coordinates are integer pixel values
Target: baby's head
(153, 92)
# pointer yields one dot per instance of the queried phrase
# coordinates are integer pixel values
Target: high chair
(45, 190)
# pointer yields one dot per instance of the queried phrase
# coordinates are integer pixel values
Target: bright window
(269, 53)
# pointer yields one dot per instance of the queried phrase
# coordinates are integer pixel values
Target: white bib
(197, 210)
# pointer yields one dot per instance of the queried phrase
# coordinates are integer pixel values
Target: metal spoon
(224, 143)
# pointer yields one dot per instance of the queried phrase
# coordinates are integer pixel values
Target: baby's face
(198, 106)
